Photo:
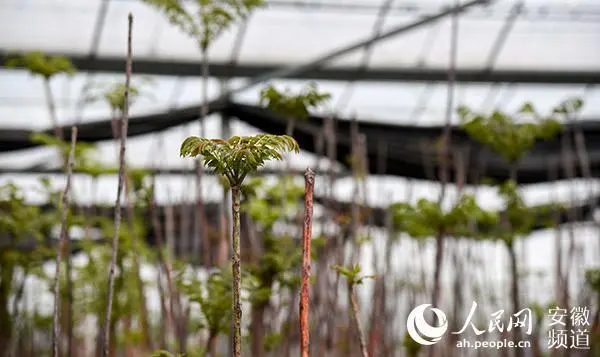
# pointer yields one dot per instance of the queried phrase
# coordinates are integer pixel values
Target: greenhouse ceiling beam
(338, 73)
(293, 70)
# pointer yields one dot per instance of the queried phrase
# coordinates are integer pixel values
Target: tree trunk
(211, 344)
(236, 269)
(52, 109)
(56, 336)
(6, 277)
(514, 291)
(439, 256)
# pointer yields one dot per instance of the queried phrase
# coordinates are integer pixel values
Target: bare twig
(309, 186)
(63, 238)
(356, 318)
(117, 222)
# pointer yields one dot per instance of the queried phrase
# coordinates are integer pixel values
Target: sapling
(47, 67)
(114, 96)
(292, 107)
(66, 200)
(234, 159)
(352, 274)
(275, 260)
(214, 298)
(204, 24)
(18, 221)
(428, 219)
(512, 141)
(117, 220)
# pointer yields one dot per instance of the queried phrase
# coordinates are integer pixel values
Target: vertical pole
(309, 186)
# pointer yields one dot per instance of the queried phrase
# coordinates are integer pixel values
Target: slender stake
(117, 222)
(309, 187)
(66, 200)
(236, 269)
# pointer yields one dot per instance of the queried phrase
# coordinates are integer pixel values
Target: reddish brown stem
(309, 186)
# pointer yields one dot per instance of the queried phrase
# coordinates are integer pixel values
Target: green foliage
(569, 106)
(39, 64)
(427, 219)
(114, 95)
(282, 255)
(412, 347)
(213, 297)
(293, 105)
(592, 277)
(272, 340)
(352, 274)
(84, 161)
(211, 18)
(163, 353)
(518, 219)
(500, 132)
(263, 203)
(18, 219)
(238, 156)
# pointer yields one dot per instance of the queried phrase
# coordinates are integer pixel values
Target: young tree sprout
(234, 159)
(212, 18)
(354, 278)
(209, 20)
(47, 67)
(293, 106)
(512, 140)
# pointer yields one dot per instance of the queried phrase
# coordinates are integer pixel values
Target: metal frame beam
(338, 73)
(289, 71)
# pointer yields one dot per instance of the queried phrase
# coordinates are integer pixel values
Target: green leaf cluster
(412, 347)
(427, 219)
(114, 95)
(352, 274)
(263, 203)
(84, 161)
(39, 64)
(281, 253)
(519, 219)
(501, 133)
(238, 156)
(163, 353)
(592, 277)
(209, 20)
(292, 105)
(214, 298)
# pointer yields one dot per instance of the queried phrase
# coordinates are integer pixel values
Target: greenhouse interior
(274, 178)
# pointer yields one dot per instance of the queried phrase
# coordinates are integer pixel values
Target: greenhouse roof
(507, 53)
